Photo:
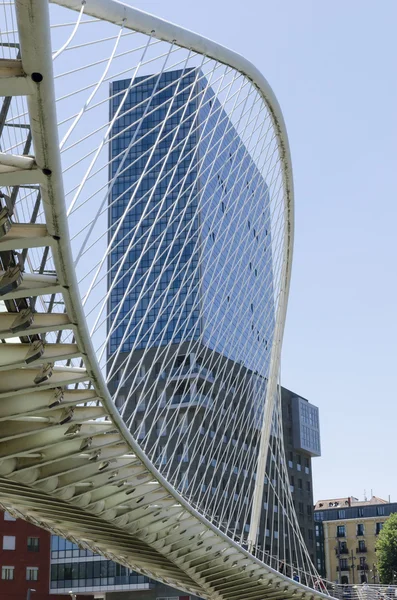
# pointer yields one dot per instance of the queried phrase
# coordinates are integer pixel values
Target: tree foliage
(386, 549)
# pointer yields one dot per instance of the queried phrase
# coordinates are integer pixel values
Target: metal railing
(363, 591)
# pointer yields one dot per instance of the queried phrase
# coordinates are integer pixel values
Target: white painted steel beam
(13, 162)
(32, 285)
(37, 402)
(10, 177)
(21, 381)
(15, 355)
(90, 528)
(25, 235)
(19, 170)
(13, 323)
(13, 80)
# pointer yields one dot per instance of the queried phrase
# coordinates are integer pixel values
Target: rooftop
(346, 502)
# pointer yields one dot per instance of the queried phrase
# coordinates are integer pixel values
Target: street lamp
(72, 595)
(30, 590)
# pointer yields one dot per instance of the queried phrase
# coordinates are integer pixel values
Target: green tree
(386, 549)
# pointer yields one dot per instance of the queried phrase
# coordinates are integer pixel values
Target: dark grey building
(301, 443)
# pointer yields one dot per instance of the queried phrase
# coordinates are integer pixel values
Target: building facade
(191, 310)
(76, 569)
(301, 429)
(346, 534)
(24, 560)
(193, 201)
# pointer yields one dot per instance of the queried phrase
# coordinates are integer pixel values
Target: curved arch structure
(70, 462)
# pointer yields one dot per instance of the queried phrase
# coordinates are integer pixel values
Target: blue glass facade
(166, 193)
(73, 568)
(306, 426)
(196, 234)
(237, 278)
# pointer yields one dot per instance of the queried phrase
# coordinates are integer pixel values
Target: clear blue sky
(332, 65)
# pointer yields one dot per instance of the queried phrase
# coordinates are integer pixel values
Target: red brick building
(24, 561)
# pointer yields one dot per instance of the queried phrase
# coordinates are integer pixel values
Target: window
(343, 564)
(308, 486)
(380, 510)
(341, 514)
(8, 517)
(340, 531)
(378, 528)
(362, 561)
(300, 484)
(290, 460)
(8, 542)
(32, 573)
(300, 508)
(361, 546)
(360, 512)
(140, 429)
(360, 528)
(343, 548)
(7, 573)
(161, 426)
(309, 510)
(33, 544)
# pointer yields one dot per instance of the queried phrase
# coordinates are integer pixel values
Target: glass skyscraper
(191, 307)
(192, 217)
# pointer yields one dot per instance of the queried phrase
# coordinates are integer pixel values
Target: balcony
(339, 534)
(343, 568)
(186, 400)
(188, 372)
(362, 567)
(361, 549)
(341, 551)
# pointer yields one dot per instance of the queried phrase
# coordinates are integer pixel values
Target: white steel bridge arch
(162, 535)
